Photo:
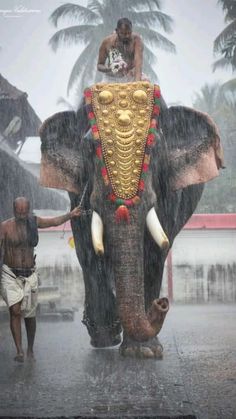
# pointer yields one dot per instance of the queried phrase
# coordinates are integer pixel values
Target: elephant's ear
(194, 149)
(61, 162)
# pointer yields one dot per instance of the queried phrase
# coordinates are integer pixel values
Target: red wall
(211, 222)
(196, 222)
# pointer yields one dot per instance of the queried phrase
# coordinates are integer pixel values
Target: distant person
(19, 279)
(121, 55)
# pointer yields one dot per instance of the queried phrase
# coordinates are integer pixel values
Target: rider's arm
(102, 58)
(56, 221)
(138, 58)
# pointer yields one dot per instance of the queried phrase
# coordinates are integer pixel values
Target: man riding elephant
(121, 55)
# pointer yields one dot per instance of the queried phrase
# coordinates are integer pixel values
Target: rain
(136, 293)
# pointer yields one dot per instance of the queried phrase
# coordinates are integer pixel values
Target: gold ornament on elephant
(123, 113)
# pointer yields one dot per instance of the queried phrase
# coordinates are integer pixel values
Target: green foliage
(229, 7)
(96, 21)
(225, 43)
(219, 101)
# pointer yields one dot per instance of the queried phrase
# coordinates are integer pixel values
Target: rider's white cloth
(115, 61)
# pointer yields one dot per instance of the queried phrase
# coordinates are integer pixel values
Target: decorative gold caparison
(123, 113)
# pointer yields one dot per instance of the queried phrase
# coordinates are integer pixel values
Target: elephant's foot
(103, 336)
(148, 349)
(104, 339)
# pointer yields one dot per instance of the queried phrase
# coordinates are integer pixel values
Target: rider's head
(124, 30)
(21, 207)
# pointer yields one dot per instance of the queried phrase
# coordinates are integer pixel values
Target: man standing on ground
(19, 281)
(121, 54)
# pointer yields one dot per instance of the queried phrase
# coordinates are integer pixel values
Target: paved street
(196, 378)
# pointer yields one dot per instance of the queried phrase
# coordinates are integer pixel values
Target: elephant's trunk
(124, 243)
(142, 326)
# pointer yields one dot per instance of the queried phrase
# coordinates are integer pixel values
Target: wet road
(197, 376)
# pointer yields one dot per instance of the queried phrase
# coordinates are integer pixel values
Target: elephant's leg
(100, 312)
(100, 316)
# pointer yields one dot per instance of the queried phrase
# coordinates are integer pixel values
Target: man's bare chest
(16, 236)
(125, 49)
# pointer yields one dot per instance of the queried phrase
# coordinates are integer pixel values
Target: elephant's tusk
(156, 230)
(97, 233)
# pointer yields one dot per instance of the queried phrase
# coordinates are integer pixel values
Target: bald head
(21, 207)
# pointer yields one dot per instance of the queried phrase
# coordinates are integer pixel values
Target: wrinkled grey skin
(132, 267)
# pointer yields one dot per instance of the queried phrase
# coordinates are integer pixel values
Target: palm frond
(229, 6)
(140, 4)
(81, 64)
(155, 38)
(148, 70)
(72, 35)
(218, 102)
(222, 63)
(208, 99)
(149, 56)
(229, 86)
(224, 36)
(96, 7)
(88, 75)
(151, 18)
(73, 11)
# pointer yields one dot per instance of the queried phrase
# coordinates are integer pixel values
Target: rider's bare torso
(125, 49)
(119, 47)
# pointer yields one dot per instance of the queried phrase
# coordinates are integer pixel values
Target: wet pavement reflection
(70, 378)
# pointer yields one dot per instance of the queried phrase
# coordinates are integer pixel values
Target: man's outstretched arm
(56, 221)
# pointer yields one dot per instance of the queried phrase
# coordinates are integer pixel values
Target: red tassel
(122, 214)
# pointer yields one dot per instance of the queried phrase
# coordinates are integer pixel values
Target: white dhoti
(129, 78)
(15, 289)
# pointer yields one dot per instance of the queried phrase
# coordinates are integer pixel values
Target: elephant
(137, 169)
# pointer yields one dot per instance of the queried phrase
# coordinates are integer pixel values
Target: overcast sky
(27, 61)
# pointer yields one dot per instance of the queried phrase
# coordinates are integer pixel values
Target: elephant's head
(135, 153)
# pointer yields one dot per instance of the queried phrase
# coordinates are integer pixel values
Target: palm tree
(225, 43)
(220, 104)
(208, 99)
(98, 20)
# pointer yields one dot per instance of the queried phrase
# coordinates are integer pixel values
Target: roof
(13, 102)
(7, 90)
(16, 180)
